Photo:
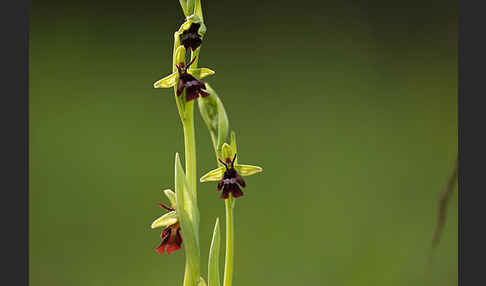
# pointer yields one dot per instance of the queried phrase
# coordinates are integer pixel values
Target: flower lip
(231, 180)
(190, 38)
(171, 239)
(192, 85)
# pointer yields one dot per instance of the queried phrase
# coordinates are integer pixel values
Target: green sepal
(247, 170)
(168, 81)
(201, 72)
(167, 219)
(213, 175)
(177, 45)
(171, 196)
(188, 215)
(180, 55)
(213, 263)
(226, 152)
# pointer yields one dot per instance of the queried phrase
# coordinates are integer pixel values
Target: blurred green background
(349, 106)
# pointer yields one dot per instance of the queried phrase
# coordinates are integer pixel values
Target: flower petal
(201, 72)
(168, 81)
(172, 197)
(247, 170)
(165, 220)
(213, 175)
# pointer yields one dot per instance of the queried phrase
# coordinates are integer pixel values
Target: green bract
(188, 215)
(213, 113)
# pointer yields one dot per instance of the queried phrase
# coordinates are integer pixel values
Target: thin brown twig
(444, 197)
(443, 201)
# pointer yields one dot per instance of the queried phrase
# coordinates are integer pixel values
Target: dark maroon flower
(171, 236)
(190, 38)
(230, 181)
(193, 86)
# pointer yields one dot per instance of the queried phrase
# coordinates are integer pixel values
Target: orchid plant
(181, 222)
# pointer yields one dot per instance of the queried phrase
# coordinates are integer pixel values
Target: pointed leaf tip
(213, 264)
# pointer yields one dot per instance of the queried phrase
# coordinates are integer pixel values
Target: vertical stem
(190, 146)
(190, 158)
(228, 265)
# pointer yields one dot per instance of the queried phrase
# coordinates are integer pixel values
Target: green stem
(190, 146)
(228, 264)
(190, 158)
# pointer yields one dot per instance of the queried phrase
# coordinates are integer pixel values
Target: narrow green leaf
(213, 265)
(184, 192)
(189, 219)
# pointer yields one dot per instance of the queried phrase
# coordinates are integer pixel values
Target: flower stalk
(228, 260)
